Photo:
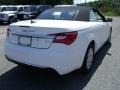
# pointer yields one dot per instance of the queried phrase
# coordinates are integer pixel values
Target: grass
(110, 14)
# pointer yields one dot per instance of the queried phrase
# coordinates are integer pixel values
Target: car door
(105, 25)
(100, 29)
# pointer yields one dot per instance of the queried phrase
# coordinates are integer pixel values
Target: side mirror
(109, 19)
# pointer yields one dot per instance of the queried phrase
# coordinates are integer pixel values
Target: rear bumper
(44, 58)
(19, 63)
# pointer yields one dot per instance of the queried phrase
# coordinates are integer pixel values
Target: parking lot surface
(105, 74)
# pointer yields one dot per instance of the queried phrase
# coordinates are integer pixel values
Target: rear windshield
(11, 8)
(58, 14)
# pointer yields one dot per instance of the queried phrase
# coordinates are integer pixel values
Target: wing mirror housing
(109, 19)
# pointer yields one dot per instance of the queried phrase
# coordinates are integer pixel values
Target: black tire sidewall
(110, 36)
(10, 20)
(84, 66)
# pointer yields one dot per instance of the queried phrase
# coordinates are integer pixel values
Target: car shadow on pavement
(20, 78)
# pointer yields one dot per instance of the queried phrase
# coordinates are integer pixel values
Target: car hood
(8, 12)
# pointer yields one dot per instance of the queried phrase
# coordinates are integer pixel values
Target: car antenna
(31, 21)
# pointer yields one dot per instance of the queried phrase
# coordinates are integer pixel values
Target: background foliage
(108, 7)
(51, 2)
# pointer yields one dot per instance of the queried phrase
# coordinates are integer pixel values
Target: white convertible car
(62, 38)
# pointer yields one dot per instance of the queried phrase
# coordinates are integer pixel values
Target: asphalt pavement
(105, 74)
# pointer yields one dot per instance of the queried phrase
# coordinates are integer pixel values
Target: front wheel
(11, 20)
(88, 60)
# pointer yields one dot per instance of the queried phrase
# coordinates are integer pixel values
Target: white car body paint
(8, 12)
(60, 57)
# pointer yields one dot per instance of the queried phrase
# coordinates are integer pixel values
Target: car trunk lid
(38, 33)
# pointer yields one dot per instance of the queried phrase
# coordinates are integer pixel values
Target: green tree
(67, 1)
(24, 2)
(53, 2)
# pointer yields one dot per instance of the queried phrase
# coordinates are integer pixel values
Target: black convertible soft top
(83, 14)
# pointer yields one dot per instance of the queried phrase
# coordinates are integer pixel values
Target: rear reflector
(65, 38)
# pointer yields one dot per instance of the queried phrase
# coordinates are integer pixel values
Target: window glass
(3, 9)
(92, 16)
(20, 9)
(59, 14)
(41, 9)
(31, 9)
(99, 18)
(25, 8)
(12, 8)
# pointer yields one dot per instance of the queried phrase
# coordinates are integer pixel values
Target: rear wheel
(88, 60)
(1, 22)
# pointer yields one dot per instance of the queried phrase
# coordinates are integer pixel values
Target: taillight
(65, 38)
(8, 32)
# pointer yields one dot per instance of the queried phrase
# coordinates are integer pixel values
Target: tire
(88, 60)
(11, 20)
(23, 66)
(109, 37)
(1, 22)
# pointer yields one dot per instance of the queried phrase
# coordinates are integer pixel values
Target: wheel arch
(91, 44)
(92, 41)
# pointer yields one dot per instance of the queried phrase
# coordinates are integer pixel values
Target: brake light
(65, 38)
(8, 32)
